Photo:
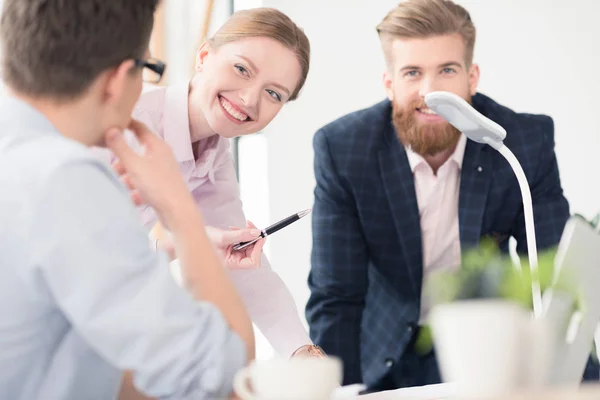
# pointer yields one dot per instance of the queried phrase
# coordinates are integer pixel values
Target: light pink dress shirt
(213, 183)
(437, 197)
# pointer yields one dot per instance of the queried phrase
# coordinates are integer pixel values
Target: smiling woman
(253, 65)
(256, 62)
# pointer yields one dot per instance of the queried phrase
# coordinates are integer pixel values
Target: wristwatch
(309, 350)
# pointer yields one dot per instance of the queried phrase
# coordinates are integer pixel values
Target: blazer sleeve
(339, 261)
(550, 207)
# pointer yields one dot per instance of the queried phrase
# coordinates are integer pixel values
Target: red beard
(423, 139)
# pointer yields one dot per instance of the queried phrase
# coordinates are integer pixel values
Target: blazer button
(389, 362)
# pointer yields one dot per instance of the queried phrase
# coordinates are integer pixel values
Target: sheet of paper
(430, 392)
(348, 392)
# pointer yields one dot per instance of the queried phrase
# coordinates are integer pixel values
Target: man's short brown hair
(56, 48)
(421, 19)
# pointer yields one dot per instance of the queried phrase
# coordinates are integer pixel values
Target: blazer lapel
(474, 187)
(398, 183)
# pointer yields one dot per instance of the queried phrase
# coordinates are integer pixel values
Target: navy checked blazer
(367, 269)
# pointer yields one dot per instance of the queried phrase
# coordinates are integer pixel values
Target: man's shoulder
(521, 127)
(38, 156)
(358, 126)
(31, 147)
(41, 172)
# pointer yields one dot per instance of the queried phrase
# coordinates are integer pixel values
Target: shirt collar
(176, 126)
(457, 156)
(14, 109)
(176, 132)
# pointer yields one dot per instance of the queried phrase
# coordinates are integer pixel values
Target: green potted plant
(482, 321)
(487, 273)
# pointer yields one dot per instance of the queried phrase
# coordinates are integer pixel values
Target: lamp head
(465, 118)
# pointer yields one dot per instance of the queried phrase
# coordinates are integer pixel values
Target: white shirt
(82, 296)
(437, 197)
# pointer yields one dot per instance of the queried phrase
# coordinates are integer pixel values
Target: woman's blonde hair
(270, 23)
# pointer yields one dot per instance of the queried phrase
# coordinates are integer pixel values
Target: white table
(445, 392)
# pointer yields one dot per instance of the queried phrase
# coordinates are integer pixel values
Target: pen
(273, 228)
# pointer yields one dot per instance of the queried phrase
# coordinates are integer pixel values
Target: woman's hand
(223, 240)
(248, 257)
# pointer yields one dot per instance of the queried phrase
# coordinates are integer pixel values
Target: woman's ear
(201, 55)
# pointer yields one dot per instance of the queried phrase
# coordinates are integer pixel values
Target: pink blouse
(212, 182)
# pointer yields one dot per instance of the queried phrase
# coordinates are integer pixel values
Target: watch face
(316, 351)
(310, 350)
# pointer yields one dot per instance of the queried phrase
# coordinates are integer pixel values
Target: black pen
(273, 228)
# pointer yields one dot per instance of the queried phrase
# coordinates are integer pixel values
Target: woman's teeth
(232, 111)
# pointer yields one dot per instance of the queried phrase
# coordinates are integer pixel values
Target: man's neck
(437, 160)
(72, 119)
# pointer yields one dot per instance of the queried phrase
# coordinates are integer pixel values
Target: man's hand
(166, 244)
(152, 177)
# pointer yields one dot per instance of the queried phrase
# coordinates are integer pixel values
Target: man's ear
(474, 75)
(201, 55)
(118, 80)
(387, 84)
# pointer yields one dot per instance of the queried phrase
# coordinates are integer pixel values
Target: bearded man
(400, 194)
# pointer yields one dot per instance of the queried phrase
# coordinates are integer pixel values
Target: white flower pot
(480, 346)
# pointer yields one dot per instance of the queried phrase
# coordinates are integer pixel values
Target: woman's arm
(269, 302)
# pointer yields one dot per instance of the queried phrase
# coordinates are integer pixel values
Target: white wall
(535, 55)
(183, 24)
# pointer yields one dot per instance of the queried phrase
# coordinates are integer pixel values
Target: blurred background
(538, 56)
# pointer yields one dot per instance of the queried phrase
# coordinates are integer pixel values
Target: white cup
(289, 379)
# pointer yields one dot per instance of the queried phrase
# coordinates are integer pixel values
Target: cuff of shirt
(217, 382)
(234, 358)
(153, 243)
